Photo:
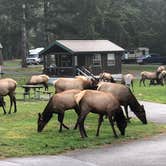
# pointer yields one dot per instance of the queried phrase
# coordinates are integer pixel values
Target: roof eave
(58, 44)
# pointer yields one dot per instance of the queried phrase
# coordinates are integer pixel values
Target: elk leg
(3, 106)
(112, 125)
(140, 82)
(81, 125)
(84, 128)
(2, 102)
(76, 125)
(14, 101)
(144, 82)
(78, 113)
(100, 120)
(65, 126)
(11, 103)
(60, 119)
(46, 86)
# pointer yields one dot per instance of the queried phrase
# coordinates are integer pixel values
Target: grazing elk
(126, 98)
(101, 103)
(79, 82)
(38, 79)
(128, 80)
(106, 77)
(152, 76)
(7, 88)
(58, 104)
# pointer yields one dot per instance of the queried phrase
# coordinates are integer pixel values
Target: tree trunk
(23, 38)
(46, 37)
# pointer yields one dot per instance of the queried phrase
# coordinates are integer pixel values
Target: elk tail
(79, 96)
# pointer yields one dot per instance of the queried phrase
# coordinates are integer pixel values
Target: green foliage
(130, 23)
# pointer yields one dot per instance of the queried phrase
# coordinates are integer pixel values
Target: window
(110, 59)
(96, 60)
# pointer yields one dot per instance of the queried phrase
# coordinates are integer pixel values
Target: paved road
(145, 152)
(155, 112)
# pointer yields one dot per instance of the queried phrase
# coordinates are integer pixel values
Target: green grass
(135, 68)
(19, 135)
(12, 63)
(150, 93)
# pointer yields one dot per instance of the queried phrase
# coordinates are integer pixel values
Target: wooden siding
(86, 61)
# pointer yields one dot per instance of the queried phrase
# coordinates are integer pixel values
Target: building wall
(115, 69)
(86, 61)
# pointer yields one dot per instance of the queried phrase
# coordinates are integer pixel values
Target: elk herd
(102, 96)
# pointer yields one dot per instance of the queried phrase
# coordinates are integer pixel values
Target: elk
(38, 79)
(58, 104)
(128, 80)
(126, 98)
(101, 103)
(152, 76)
(7, 88)
(145, 75)
(162, 77)
(160, 69)
(81, 83)
(106, 77)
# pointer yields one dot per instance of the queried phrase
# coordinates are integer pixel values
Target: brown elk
(7, 88)
(63, 84)
(152, 76)
(106, 77)
(128, 80)
(145, 75)
(162, 77)
(58, 104)
(126, 98)
(160, 69)
(38, 79)
(101, 103)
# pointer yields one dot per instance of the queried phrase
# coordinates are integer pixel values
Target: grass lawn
(150, 93)
(19, 135)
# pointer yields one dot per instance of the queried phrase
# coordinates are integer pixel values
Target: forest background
(128, 23)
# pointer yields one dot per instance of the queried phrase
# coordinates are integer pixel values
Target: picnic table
(35, 88)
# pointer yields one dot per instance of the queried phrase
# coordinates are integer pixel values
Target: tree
(23, 37)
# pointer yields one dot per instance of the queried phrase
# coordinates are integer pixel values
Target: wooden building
(63, 56)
